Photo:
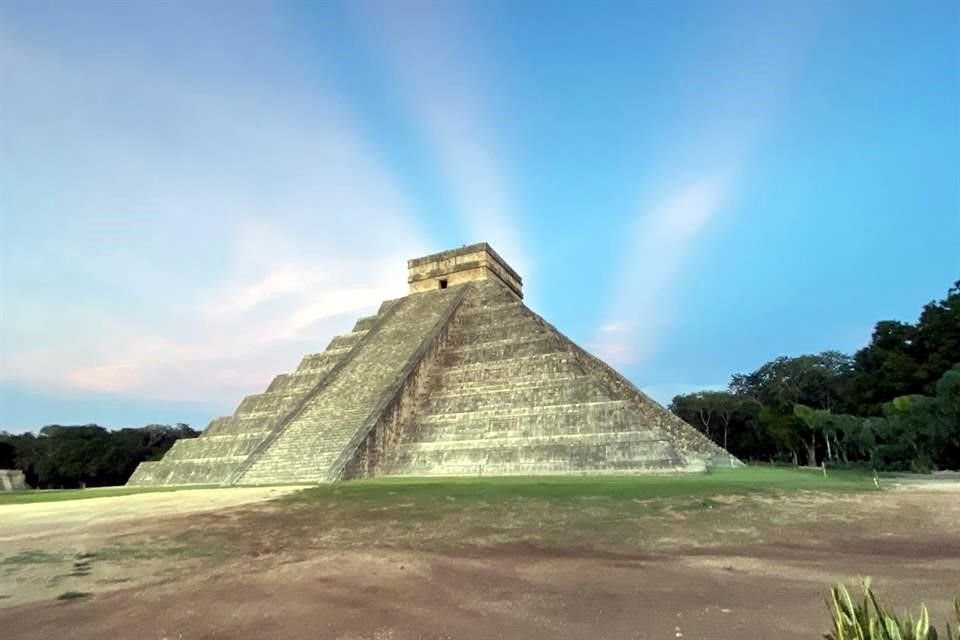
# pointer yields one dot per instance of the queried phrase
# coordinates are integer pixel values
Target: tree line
(61, 457)
(894, 404)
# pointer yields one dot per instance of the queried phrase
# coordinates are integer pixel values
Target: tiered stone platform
(229, 441)
(457, 378)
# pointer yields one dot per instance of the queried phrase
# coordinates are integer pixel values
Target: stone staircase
(316, 442)
(509, 398)
(228, 441)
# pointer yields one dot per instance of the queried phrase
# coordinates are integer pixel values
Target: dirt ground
(241, 569)
(28, 521)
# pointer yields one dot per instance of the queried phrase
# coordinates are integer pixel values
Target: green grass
(57, 495)
(599, 512)
(755, 479)
(748, 480)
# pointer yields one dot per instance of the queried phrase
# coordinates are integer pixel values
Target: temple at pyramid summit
(458, 378)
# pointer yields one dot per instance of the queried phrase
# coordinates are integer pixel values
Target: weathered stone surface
(311, 445)
(472, 263)
(457, 378)
(12, 480)
(228, 442)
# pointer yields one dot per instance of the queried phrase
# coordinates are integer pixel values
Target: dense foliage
(895, 404)
(89, 455)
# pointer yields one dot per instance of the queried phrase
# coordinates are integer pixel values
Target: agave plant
(869, 620)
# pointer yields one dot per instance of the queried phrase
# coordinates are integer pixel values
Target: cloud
(659, 243)
(283, 281)
(734, 97)
(204, 232)
(440, 68)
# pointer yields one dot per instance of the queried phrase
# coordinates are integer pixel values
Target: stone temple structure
(457, 378)
(12, 480)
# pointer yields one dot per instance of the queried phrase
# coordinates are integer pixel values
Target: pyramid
(458, 378)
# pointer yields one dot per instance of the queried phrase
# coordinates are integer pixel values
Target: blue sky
(194, 195)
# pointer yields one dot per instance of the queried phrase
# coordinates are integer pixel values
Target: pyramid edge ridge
(698, 445)
(355, 460)
(236, 477)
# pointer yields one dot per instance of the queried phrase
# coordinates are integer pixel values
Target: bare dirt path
(36, 520)
(51, 548)
(768, 585)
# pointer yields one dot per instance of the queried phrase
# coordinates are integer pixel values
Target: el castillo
(459, 378)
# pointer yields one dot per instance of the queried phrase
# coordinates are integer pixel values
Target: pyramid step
(525, 427)
(559, 411)
(506, 319)
(557, 468)
(547, 393)
(297, 382)
(225, 459)
(345, 342)
(214, 447)
(323, 360)
(493, 332)
(568, 457)
(564, 379)
(364, 324)
(217, 425)
(424, 433)
(478, 384)
(269, 402)
(253, 423)
(483, 311)
(386, 305)
(490, 296)
(519, 440)
(182, 472)
(499, 370)
(500, 350)
(585, 454)
(580, 419)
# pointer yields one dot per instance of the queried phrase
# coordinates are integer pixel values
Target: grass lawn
(57, 495)
(613, 513)
(599, 512)
(747, 480)
(758, 479)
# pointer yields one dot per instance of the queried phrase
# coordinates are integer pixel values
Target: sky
(195, 195)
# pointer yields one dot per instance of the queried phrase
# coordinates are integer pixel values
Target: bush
(869, 620)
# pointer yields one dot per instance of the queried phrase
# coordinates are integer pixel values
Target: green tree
(818, 381)
(724, 417)
(88, 455)
(917, 432)
(905, 359)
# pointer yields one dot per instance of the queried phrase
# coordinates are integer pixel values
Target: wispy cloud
(182, 241)
(725, 117)
(440, 68)
(659, 243)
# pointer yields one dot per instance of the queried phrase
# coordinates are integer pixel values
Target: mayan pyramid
(458, 378)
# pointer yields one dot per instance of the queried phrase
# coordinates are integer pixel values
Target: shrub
(869, 620)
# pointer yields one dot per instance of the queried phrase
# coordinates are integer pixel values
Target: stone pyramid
(457, 378)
